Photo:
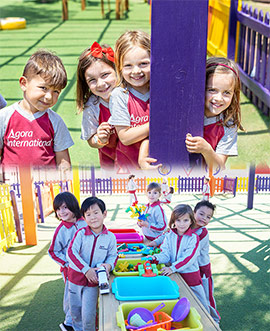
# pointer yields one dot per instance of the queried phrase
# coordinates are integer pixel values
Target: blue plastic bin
(144, 288)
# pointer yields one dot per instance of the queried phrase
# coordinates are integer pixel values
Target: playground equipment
(12, 23)
(137, 211)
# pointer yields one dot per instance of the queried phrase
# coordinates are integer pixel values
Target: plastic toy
(123, 266)
(150, 251)
(181, 310)
(147, 269)
(121, 256)
(131, 249)
(103, 282)
(137, 211)
(145, 315)
(12, 23)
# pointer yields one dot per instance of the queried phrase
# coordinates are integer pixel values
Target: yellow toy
(123, 266)
(121, 256)
(11, 23)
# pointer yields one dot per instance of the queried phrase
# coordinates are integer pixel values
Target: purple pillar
(178, 55)
(251, 184)
(232, 29)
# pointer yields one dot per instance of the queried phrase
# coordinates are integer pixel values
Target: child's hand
(144, 224)
(196, 144)
(108, 268)
(145, 163)
(166, 271)
(104, 132)
(92, 276)
(152, 244)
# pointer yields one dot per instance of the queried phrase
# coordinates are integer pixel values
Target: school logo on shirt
(25, 139)
(138, 120)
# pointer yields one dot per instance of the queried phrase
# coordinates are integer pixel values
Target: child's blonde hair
(49, 66)
(86, 59)
(124, 44)
(179, 211)
(232, 115)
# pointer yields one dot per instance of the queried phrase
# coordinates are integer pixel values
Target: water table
(108, 306)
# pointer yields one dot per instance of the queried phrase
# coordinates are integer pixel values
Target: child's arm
(56, 251)
(144, 160)
(200, 145)
(130, 135)
(159, 219)
(63, 159)
(189, 256)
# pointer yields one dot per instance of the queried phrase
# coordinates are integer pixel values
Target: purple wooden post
(178, 55)
(251, 183)
(232, 29)
(93, 181)
(235, 186)
(40, 203)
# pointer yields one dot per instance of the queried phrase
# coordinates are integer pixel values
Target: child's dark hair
(85, 61)
(180, 210)
(131, 176)
(204, 203)
(171, 190)
(154, 186)
(92, 201)
(49, 66)
(71, 202)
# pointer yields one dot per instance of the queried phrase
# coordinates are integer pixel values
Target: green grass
(68, 39)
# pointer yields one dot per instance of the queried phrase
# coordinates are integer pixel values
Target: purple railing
(263, 184)
(229, 185)
(102, 185)
(190, 184)
(253, 56)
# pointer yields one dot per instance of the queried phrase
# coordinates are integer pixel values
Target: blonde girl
(96, 78)
(180, 248)
(222, 116)
(129, 102)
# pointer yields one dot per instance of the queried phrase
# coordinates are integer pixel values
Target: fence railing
(253, 56)
(262, 184)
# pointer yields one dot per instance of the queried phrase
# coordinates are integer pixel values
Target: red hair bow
(97, 51)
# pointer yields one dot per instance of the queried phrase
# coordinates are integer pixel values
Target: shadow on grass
(44, 312)
(244, 305)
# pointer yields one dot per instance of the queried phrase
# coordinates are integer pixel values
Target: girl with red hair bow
(96, 78)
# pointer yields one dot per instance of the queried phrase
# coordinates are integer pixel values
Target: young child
(203, 213)
(206, 188)
(131, 188)
(164, 186)
(222, 115)
(181, 248)
(67, 210)
(91, 247)
(96, 78)
(31, 133)
(167, 198)
(129, 102)
(156, 222)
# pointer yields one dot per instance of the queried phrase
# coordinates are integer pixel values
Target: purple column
(178, 55)
(232, 29)
(251, 183)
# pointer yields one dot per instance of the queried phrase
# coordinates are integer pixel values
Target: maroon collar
(68, 225)
(89, 232)
(157, 203)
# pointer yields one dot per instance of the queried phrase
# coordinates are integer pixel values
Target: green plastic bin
(133, 262)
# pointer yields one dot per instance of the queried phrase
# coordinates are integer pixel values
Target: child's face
(64, 214)
(38, 94)
(101, 79)
(219, 93)
(203, 216)
(95, 218)
(153, 196)
(136, 69)
(182, 224)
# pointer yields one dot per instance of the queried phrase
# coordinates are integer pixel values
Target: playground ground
(45, 29)
(31, 286)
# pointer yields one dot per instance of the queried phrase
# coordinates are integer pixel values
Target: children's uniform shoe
(65, 327)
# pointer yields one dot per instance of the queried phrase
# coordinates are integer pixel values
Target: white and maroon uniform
(222, 139)
(205, 271)
(167, 198)
(182, 252)
(131, 188)
(96, 111)
(57, 251)
(128, 108)
(157, 221)
(86, 251)
(206, 191)
(32, 139)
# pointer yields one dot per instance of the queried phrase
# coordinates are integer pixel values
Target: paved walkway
(31, 286)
